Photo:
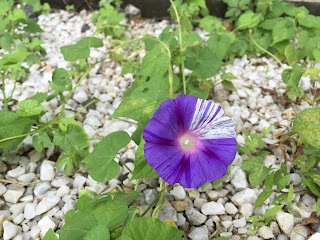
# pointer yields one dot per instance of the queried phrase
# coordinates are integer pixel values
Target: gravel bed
(27, 212)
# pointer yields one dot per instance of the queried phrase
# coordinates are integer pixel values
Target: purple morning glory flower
(189, 141)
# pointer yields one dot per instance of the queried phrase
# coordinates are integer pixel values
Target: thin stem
(180, 46)
(124, 164)
(79, 83)
(28, 134)
(264, 50)
(162, 200)
(93, 101)
(14, 88)
(153, 202)
(97, 138)
(137, 184)
(3, 89)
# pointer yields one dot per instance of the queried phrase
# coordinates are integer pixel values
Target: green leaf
(86, 196)
(98, 233)
(11, 125)
(30, 107)
(316, 54)
(74, 142)
(154, 63)
(128, 68)
(318, 205)
(6, 41)
(279, 199)
(80, 50)
(31, 26)
(292, 76)
(121, 196)
(100, 163)
(262, 197)
(205, 64)
(50, 235)
(269, 181)
(124, 238)
(228, 85)
(60, 80)
(290, 196)
(292, 54)
(252, 163)
(249, 19)
(283, 182)
(307, 125)
(197, 92)
(65, 162)
(136, 136)
(220, 44)
(308, 42)
(148, 228)
(143, 101)
(40, 97)
(313, 188)
(284, 30)
(40, 141)
(142, 169)
(103, 212)
(273, 211)
(258, 176)
(308, 20)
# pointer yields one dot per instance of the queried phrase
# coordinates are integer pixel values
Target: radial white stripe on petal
(210, 122)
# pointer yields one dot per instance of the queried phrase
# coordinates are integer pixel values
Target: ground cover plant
(182, 137)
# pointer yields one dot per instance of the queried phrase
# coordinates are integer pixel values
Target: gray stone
(178, 192)
(78, 182)
(2, 219)
(17, 172)
(246, 196)
(46, 204)
(10, 230)
(29, 211)
(63, 191)
(14, 194)
(239, 180)
(150, 195)
(61, 182)
(239, 223)
(3, 189)
(213, 208)
(300, 233)
(308, 200)
(47, 170)
(35, 232)
(198, 202)
(181, 219)
(41, 188)
(195, 217)
(26, 178)
(226, 224)
(295, 179)
(231, 208)
(80, 95)
(285, 222)
(18, 219)
(45, 224)
(265, 232)
(193, 193)
(315, 236)
(199, 233)
(246, 209)
(17, 208)
(168, 213)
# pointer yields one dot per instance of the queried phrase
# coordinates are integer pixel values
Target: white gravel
(29, 211)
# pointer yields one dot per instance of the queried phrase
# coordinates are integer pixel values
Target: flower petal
(167, 160)
(209, 121)
(163, 127)
(222, 149)
(186, 108)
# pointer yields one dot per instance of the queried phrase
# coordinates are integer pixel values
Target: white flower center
(187, 141)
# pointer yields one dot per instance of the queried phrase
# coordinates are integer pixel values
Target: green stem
(79, 82)
(93, 101)
(3, 89)
(137, 184)
(156, 211)
(30, 133)
(180, 46)
(14, 88)
(310, 101)
(264, 50)
(153, 202)
(124, 164)
(97, 138)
